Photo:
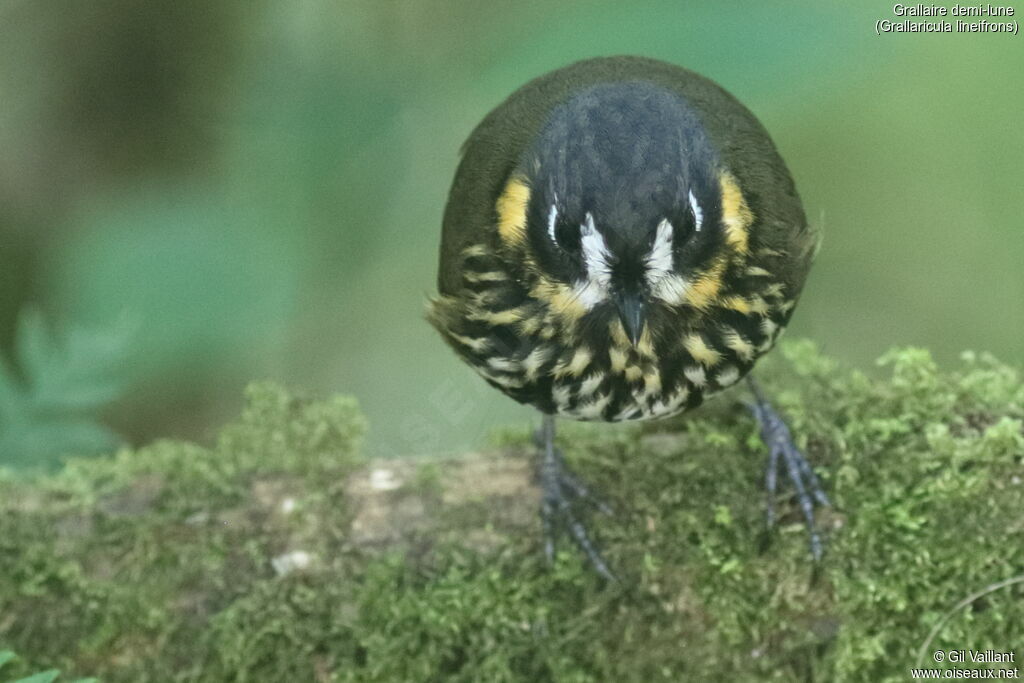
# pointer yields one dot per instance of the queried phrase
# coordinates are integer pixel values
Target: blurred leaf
(50, 411)
(41, 677)
(78, 375)
(86, 376)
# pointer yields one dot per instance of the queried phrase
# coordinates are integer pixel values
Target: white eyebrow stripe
(698, 215)
(552, 217)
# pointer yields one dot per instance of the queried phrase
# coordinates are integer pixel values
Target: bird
(621, 241)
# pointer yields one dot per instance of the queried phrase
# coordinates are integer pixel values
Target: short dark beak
(632, 313)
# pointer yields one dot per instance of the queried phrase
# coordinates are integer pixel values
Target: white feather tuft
(665, 284)
(659, 261)
(596, 256)
(595, 251)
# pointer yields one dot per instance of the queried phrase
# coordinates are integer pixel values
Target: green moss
(156, 565)
(115, 566)
(41, 677)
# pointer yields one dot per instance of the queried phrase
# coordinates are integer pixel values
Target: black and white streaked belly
(588, 370)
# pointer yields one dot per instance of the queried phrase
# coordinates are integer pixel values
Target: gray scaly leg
(558, 485)
(780, 444)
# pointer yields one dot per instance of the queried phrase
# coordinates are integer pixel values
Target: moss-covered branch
(278, 555)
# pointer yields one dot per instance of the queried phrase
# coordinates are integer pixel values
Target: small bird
(621, 241)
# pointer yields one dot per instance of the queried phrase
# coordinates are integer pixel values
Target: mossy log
(279, 554)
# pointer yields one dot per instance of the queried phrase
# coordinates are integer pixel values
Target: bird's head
(622, 211)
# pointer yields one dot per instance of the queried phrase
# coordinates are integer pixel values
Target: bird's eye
(698, 214)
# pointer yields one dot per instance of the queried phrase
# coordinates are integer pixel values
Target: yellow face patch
(736, 215)
(511, 208)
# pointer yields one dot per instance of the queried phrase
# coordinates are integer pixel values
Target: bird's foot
(780, 444)
(560, 489)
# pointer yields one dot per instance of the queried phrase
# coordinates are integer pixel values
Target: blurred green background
(255, 189)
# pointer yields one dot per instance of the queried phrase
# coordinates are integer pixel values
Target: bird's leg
(579, 489)
(557, 486)
(780, 444)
